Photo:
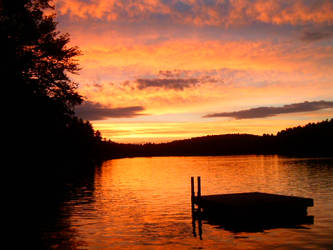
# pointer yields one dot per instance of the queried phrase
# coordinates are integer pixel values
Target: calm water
(145, 203)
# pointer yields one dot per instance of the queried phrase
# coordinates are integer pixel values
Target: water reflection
(56, 207)
(145, 203)
(239, 225)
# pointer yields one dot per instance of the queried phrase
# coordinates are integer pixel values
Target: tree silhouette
(36, 57)
(36, 62)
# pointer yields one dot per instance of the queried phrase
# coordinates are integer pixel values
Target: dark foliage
(312, 139)
(36, 61)
(36, 58)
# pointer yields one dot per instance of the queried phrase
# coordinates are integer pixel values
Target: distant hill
(313, 139)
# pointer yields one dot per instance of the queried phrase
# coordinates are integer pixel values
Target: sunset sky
(159, 70)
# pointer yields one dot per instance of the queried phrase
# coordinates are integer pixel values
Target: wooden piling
(199, 187)
(192, 188)
(192, 194)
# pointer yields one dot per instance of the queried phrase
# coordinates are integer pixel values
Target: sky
(160, 70)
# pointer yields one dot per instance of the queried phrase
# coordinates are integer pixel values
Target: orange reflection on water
(145, 202)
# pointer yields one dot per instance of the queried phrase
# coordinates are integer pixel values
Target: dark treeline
(313, 139)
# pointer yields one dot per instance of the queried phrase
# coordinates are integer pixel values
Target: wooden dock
(250, 208)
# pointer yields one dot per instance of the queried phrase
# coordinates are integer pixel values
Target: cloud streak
(316, 35)
(262, 112)
(176, 84)
(176, 80)
(96, 111)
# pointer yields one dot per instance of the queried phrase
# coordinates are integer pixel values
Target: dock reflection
(253, 225)
(196, 219)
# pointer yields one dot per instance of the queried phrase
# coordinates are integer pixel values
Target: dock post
(199, 198)
(192, 187)
(199, 187)
(192, 193)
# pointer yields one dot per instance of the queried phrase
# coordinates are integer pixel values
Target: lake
(145, 203)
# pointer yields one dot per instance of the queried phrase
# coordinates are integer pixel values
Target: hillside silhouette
(313, 139)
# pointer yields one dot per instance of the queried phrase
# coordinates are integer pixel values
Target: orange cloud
(109, 9)
(226, 13)
(194, 54)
